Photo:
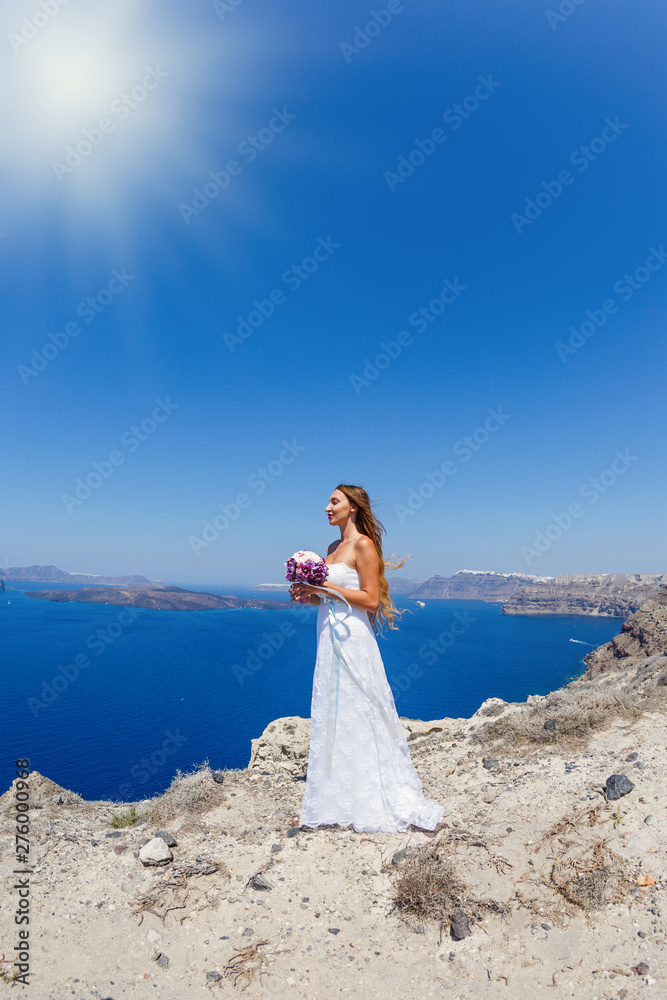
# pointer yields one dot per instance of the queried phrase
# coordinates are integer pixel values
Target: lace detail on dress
(373, 785)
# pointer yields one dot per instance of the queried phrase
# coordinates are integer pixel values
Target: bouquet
(306, 567)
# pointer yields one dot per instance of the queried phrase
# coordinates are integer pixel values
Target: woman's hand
(303, 593)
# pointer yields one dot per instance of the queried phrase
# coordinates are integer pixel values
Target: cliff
(467, 585)
(643, 635)
(614, 594)
(156, 597)
(540, 878)
(51, 574)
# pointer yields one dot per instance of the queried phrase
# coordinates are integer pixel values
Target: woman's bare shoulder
(365, 547)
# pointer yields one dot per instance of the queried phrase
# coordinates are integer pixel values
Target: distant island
(155, 597)
(613, 594)
(51, 574)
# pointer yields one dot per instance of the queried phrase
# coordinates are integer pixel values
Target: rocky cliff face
(643, 635)
(613, 594)
(472, 586)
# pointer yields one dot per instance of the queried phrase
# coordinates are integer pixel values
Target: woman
(359, 769)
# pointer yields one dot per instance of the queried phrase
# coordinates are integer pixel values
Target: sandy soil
(328, 921)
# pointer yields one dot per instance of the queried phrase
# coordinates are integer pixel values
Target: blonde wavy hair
(368, 524)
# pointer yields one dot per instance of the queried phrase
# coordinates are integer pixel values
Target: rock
(213, 977)
(617, 594)
(399, 856)
(643, 635)
(293, 831)
(472, 585)
(155, 852)
(550, 724)
(162, 961)
(491, 763)
(334, 930)
(218, 776)
(641, 969)
(460, 925)
(631, 757)
(282, 748)
(545, 926)
(58, 799)
(618, 785)
(490, 708)
(259, 883)
(650, 820)
(248, 932)
(275, 848)
(167, 837)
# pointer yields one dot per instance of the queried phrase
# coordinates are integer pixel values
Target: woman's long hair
(368, 524)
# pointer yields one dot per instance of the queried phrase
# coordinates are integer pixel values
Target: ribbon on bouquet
(334, 684)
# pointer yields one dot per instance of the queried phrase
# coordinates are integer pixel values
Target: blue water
(160, 692)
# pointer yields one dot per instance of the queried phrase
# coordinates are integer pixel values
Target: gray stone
(460, 925)
(650, 820)
(167, 837)
(218, 776)
(334, 930)
(155, 852)
(213, 977)
(293, 831)
(260, 883)
(491, 763)
(550, 724)
(618, 785)
(275, 848)
(162, 961)
(248, 932)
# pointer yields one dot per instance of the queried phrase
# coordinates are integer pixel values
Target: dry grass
(245, 964)
(427, 888)
(173, 891)
(593, 879)
(580, 709)
(190, 795)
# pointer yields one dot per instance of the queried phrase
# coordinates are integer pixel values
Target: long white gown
(367, 779)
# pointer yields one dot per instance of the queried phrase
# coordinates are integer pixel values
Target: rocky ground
(541, 883)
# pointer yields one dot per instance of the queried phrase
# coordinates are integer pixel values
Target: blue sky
(362, 162)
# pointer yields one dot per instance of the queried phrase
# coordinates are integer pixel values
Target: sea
(112, 703)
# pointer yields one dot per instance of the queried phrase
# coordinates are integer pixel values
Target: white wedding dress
(359, 769)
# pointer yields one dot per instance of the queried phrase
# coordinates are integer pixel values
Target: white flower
(303, 556)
